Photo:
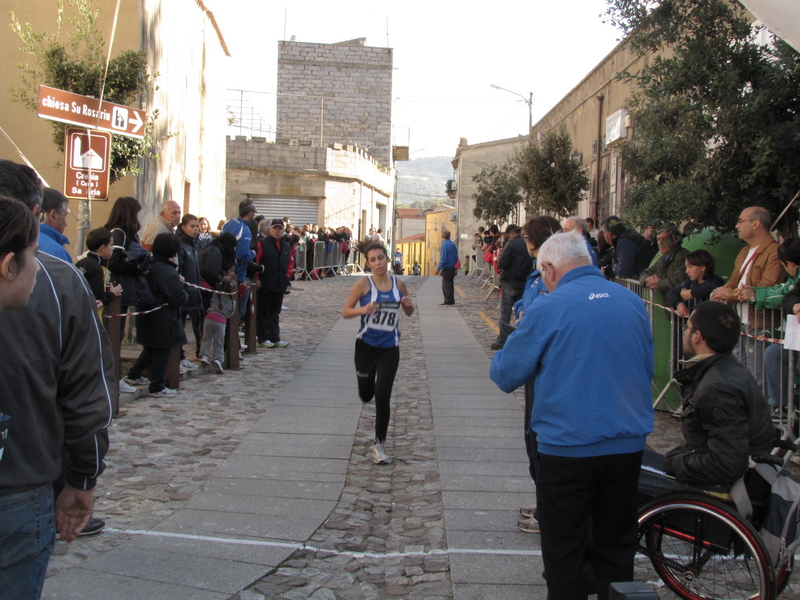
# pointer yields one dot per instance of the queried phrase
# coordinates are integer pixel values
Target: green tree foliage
(716, 115)
(78, 66)
(498, 193)
(552, 180)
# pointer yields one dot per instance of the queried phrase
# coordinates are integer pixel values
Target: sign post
(87, 152)
(58, 105)
(87, 169)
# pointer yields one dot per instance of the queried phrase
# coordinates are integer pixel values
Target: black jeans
(571, 493)
(376, 369)
(268, 316)
(197, 318)
(448, 275)
(157, 359)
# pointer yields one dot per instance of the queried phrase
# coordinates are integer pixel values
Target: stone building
(189, 98)
(332, 186)
(331, 162)
(595, 116)
(336, 93)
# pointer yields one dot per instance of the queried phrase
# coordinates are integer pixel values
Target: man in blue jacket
(447, 267)
(244, 253)
(55, 208)
(591, 435)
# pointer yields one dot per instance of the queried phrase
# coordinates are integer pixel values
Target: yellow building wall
(190, 99)
(434, 223)
(412, 251)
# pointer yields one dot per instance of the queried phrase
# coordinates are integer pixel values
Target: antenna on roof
(285, 16)
(387, 31)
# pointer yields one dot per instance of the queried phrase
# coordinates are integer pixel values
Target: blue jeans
(750, 353)
(776, 369)
(27, 537)
(244, 302)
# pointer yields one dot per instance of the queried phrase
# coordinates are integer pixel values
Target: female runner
(377, 299)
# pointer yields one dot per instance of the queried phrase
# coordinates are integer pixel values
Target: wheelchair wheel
(703, 550)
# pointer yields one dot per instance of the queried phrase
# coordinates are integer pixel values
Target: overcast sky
(446, 55)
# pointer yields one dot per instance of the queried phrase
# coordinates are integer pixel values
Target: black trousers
(448, 276)
(376, 369)
(197, 318)
(155, 358)
(268, 316)
(571, 493)
(531, 446)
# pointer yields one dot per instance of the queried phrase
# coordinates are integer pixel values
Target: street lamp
(528, 101)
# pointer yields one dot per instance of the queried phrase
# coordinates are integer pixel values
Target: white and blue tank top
(381, 328)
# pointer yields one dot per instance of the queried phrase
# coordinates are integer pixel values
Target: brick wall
(349, 84)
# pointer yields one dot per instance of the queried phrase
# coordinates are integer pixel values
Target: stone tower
(336, 93)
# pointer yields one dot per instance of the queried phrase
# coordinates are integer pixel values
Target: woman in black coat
(189, 269)
(161, 330)
(221, 251)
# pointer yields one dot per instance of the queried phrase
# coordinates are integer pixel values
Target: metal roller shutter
(299, 210)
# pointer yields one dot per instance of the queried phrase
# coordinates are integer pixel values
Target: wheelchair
(702, 547)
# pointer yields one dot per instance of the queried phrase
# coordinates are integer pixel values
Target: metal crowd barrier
(760, 349)
(325, 258)
(300, 261)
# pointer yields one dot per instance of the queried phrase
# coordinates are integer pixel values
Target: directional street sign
(58, 105)
(87, 169)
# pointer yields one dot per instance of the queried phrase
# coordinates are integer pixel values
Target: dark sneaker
(93, 527)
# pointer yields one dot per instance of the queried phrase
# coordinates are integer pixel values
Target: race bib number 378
(386, 317)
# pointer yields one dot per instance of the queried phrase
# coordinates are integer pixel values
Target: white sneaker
(188, 365)
(218, 367)
(183, 370)
(284, 308)
(379, 456)
(280, 344)
(204, 360)
(124, 388)
(140, 381)
(165, 393)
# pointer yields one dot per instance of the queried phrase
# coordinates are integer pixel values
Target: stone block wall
(345, 180)
(344, 88)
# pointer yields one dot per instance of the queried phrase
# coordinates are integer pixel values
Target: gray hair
(673, 236)
(579, 222)
(264, 226)
(562, 249)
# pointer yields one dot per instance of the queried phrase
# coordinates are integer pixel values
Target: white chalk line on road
(297, 546)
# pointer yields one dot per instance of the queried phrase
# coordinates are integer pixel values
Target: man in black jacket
(515, 265)
(273, 256)
(724, 416)
(56, 382)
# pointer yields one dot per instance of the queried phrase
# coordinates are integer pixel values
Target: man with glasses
(670, 269)
(757, 265)
(724, 416)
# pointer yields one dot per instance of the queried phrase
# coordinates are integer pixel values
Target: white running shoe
(124, 388)
(218, 367)
(379, 456)
(188, 365)
(204, 360)
(165, 393)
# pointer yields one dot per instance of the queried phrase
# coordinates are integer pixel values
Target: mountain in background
(421, 182)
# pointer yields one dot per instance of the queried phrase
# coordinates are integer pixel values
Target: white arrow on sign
(136, 120)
